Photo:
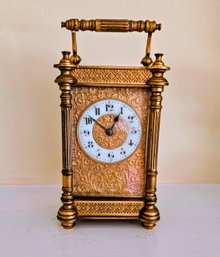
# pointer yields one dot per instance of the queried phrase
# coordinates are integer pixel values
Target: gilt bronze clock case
(110, 131)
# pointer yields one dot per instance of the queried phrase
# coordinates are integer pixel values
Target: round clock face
(109, 131)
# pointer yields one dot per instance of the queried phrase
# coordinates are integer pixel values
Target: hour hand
(97, 123)
(109, 131)
(116, 119)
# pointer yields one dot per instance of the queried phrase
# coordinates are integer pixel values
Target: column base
(67, 216)
(149, 215)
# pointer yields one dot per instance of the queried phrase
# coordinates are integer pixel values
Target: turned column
(67, 214)
(149, 215)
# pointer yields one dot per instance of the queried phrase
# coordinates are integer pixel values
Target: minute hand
(98, 123)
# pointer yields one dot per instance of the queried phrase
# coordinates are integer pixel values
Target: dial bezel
(98, 160)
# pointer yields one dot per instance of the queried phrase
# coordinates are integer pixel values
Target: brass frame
(150, 77)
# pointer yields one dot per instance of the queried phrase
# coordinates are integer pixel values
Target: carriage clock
(110, 131)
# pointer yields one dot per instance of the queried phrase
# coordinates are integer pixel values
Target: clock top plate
(108, 76)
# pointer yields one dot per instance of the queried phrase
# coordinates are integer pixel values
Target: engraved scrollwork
(126, 178)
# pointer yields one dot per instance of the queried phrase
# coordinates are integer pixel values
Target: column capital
(65, 66)
(158, 68)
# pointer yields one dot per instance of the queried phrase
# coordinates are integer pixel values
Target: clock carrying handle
(111, 25)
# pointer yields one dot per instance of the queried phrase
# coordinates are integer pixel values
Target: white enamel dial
(109, 131)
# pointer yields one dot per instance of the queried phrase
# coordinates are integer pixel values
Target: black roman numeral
(88, 120)
(109, 107)
(97, 111)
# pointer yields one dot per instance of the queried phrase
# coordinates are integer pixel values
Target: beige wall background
(31, 42)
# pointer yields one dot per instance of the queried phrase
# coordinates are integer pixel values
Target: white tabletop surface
(189, 226)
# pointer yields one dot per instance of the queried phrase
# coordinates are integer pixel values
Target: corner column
(149, 215)
(67, 214)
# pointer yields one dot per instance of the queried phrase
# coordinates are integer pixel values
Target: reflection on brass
(123, 190)
(119, 136)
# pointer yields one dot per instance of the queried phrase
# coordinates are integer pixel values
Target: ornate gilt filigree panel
(126, 178)
(108, 208)
(112, 76)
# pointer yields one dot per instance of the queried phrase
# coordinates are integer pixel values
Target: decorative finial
(158, 68)
(65, 66)
(159, 64)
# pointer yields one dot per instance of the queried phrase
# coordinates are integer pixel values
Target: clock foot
(68, 216)
(149, 216)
